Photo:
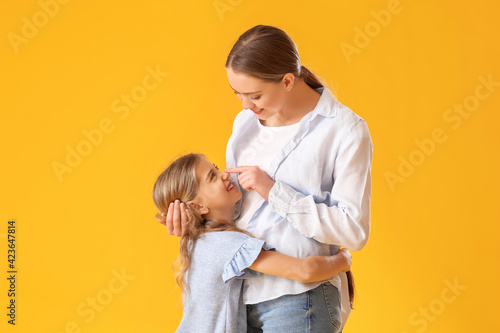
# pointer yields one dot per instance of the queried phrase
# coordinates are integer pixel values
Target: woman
(304, 160)
(215, 256)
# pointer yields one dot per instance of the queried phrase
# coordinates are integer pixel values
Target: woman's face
(215, 190)
(264, 98)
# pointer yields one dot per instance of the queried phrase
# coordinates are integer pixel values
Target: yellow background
(75, 233)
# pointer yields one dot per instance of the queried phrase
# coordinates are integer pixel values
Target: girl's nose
(225, 175)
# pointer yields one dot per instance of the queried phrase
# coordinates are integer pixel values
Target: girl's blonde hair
(179, 181)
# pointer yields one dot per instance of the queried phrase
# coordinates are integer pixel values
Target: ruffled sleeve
(244, 258)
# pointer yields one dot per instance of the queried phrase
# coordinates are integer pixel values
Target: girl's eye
(255, 98)
(212, 176)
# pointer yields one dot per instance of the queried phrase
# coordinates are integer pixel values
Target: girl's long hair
(268, 53)
(179, 181)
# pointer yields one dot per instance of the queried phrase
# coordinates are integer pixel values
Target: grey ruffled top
(219, 264)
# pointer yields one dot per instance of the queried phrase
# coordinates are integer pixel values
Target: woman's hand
(175, 218)
(253, 178)
(345, 258)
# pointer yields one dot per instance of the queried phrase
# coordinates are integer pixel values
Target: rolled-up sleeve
(345, 219)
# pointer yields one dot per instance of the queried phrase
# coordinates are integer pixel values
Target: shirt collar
(327, 105)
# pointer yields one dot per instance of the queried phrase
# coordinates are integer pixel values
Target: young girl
(215, 255)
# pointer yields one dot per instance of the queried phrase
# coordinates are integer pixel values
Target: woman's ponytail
(309, 78)
(351, 287)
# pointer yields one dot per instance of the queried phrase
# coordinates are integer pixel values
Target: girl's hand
(253, 178)
(346, 259)
(175, 218)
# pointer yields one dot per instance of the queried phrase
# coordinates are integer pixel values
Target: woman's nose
(247, 104)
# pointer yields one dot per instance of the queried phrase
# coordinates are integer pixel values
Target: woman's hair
(268, 53)
(179, 181)
(351, 287)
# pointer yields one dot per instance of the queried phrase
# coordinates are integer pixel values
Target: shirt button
(255, 214)
(277, 210)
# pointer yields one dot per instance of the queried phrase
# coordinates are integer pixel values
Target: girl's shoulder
(229, 244)
(225, 236)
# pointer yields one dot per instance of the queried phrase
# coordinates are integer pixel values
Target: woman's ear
(202, 210)
(288, 81)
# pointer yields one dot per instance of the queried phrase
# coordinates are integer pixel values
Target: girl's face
(264, 98)
(215, 190)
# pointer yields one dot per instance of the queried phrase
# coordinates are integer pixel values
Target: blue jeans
(316, 310)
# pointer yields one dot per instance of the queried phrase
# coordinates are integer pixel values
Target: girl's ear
(202, 210)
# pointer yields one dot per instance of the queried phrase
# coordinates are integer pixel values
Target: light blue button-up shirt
(321, 198)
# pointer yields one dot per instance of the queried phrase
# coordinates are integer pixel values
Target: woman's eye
(255, 98)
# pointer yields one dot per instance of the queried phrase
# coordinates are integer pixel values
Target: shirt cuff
(280, 197)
